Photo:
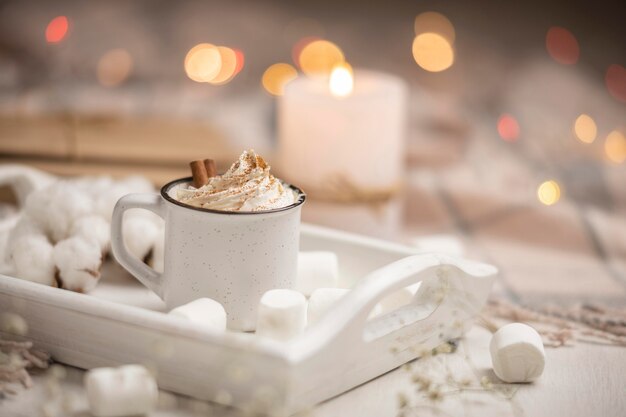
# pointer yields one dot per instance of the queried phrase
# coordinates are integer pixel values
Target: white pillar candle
(358, 137)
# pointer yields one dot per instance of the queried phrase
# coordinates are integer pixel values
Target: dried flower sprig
(15, 360)
(559, 326)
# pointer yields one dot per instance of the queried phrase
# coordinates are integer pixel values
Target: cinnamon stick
(209, 165)
(199, 173)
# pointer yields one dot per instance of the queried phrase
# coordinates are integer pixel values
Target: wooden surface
(584, 380)
(68, 144)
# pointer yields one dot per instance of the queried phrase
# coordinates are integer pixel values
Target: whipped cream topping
(248, 185)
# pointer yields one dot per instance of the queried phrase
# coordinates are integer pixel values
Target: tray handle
(346, 324)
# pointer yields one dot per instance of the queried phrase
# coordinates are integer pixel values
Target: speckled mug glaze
(231, 257)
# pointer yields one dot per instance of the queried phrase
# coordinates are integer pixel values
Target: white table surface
(580, 380)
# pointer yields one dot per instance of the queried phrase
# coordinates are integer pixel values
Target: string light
(585, 128)
(319, 57)
(276, 77)
(228, 67)
(615, 147)
(615, 79)
(549, 192)
(562, 45)
(240, 60)
(203, 62)
(114, 67)
(433, 52)
(508, 128)
(57, 29)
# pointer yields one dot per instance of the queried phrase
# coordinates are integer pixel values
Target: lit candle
(347, 128)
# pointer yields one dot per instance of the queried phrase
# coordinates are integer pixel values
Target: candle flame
(341, 81)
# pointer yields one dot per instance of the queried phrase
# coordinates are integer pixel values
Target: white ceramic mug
(231, 257)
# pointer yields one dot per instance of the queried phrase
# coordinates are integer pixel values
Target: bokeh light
(341, 81)
(241, 58)
(203, 62)
(508, 128)
(433, 52)
(615, 79)
(228, 67)
(277, 76)
(549, 192)
(615, 147)
(585, 128)
(57, 29)
(297, 48)
(319, 57)
(562, 45)
(114, 67)
(434, 22)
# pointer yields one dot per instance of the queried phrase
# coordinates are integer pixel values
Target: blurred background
(514, 150)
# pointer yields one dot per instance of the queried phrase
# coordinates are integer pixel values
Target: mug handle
(146, 275)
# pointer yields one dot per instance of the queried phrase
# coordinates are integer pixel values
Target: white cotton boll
(25, 226)
(106, 200)
(93, 186)
(93, 227)
(32, 259)
(137, 184)
(140, 234)
(56, 207)
(79, 261)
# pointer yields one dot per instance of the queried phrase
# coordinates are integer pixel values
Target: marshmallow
(321, 301)
(399, 298)
(446, 244)
(203, 311)
(282, 314)
(123, 391)
(517, 353)
(316, 270)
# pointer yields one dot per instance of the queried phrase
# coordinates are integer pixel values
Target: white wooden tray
(120, 322)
